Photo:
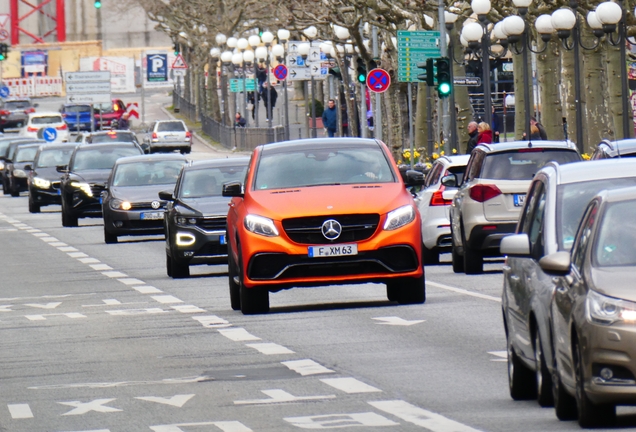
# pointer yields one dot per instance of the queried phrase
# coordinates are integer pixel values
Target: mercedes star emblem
(331, 229)
(155, 204)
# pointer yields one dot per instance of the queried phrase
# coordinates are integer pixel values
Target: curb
(197, 136)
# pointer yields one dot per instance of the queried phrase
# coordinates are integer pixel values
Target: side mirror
(28, 167)
(515, 245)
(62, 169)
(450, 180)
(414, 178)
(233, 189)
(166, 196)
(556, 264)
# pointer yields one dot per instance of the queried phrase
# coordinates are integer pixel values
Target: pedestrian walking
(268, 93)
(542, 131)
(330, 118)
(473, 135)
(484, 133)
(496, 125)
(239, 121)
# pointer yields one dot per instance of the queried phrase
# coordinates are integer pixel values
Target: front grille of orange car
(307, 230)
(384, 261)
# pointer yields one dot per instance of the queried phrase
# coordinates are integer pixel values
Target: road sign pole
(377, 115)
(363, 110)
(306, 88)
(77, 121)
(446, 105)
(143, 90)
(314, 132)
(92, 118)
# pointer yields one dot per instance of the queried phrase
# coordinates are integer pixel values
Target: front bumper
(132, 222)
(45, 197)
(208, 247)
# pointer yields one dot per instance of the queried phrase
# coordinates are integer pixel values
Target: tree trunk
(213, 106)
(614, 70)
(520, 112)
(597, 123)
(548, 64)
(569, 98)
(421, 121)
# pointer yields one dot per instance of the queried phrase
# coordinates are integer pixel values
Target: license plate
(222, 240)
(332, 250)
(59, 192)
(151, 216)
(519, 199)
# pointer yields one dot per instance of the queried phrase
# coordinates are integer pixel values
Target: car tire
(521, 380)
(168, 265)
(67, 219)
(392, 292)
(456, 258)
(407, 290)
(253, 300)
(179, 271)
(33, 207)
(430, 256)
(564, 403)
(235, 288)
(109, 238)
(590, 415)
(543, 378)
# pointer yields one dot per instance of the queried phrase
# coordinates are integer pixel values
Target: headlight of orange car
(399, 217)
(260, 225)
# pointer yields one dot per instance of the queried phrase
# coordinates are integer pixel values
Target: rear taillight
(32, 129)
(4, 113)
(437, 199)
(188, 136)
(484, 192)
(154, 135)
(29, 110)
(62, 127)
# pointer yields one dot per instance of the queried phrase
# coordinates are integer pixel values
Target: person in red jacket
(485, 133)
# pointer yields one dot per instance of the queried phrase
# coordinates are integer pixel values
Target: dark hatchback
(84, 179)
(7, 156)
(14, 113)
(44, 179)
(129, 204)
(19, 169)
(195, 219)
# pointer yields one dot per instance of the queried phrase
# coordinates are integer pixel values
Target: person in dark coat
(268, 92)
(542, 131)
(239, 121)
(330, 118)
(496, 126)
(473, 136)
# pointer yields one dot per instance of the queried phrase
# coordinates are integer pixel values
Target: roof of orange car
(315, 143)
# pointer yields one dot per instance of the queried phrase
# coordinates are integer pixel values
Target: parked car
(433, 203)
(44, 179)
(78, 117)
(168, 135)
(487, 205)
(196, 214)
(105, 113)
(14, 112)
(553, 209)
(18, 170)
(6, 159)
(104, 137)
(594, 310)
(323, 212)
(38, 122)
(129, 203)
(607, 149)
(84, 179)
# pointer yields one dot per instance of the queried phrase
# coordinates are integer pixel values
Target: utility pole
(443, 48)
(377, 114)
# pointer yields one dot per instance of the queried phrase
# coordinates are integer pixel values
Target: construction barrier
(34, 86)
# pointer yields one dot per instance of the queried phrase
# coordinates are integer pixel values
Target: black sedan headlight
(117, 204)
(186, 220)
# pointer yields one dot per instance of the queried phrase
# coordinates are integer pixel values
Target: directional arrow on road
(176, 401)
(397, 321)
(44, 306)
(500, 356)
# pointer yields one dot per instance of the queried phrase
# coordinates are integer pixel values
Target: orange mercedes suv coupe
(323, 212)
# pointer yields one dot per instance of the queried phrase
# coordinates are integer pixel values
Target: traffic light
(444, 83)
(335, 71)
(4, 51)
(98, 4)
(429, 69)
(361, 70)
(176, 49)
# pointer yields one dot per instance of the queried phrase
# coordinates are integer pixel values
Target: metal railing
(241, 138)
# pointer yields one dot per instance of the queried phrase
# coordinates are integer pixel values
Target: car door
(565, 296)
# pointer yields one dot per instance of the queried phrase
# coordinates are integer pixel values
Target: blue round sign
(49, 134)
(4, 91)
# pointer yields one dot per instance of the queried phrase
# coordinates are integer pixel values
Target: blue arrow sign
(4, 91)
(49, 134)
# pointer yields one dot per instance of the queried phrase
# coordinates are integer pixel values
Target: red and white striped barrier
(34, 86)
(130, 109)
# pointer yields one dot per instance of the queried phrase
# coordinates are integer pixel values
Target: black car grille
(212, 249)
(55, 185)
(97, 189)
(214, 223)
(277, 266)
(308, 230)
(147, 205)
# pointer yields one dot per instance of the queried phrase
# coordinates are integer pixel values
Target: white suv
(488, 202)
(168, 135)
(38, 122)
(433, 203)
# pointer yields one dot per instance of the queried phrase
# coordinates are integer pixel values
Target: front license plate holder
(222, 240)
(519, 199)
(332, 250)
(151, 216)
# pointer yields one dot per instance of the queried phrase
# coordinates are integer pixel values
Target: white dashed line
(88, 260)
(59, 244)
(146, 289)
(34, 231)
(166, 299)
(49, 239)
(20, 411)
(188, 309)
(211, 321)
(41, 234)
(131, 281)
(420, 417)
(111, 302)
(306, 367)
(100, 267)
(77, 255)
(463, 291)
(270, 348)
(67, 249)
(350, 385)
(114, 274)
(238, 335)
(136, 311)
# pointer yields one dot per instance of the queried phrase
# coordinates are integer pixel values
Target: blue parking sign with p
(157, 67)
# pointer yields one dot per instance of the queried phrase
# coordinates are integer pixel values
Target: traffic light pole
(410, 104)
(443, 48)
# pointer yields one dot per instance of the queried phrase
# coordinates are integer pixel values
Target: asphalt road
(97, 338)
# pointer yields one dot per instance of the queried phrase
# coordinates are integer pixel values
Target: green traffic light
(362, 78)
(2, 57)
(98, 4)
(444, 88)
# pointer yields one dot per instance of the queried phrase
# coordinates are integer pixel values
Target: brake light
(437, 199)
(29, 110)
(188, 135)
(484, 192)
(62, 127)
(32, 129)
(4, 112)
(154, 135)
(530, 150)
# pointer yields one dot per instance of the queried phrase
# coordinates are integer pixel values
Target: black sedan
(129, 204)
(44, 180)
(195, 220)
(84, 179)
(7, 154)
(19, 169)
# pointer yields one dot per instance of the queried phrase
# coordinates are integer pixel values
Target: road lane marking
(95, 430)
(100, 267)
(280, 396)
(212, 321)
(40, 234)
(502, 356)
(175, 401)
(224, 426)
(238, 335)
(114, 274)
(166, 299)
(72, 315)
(96, 405)
(59, 244)
(132, 312)
(77, 255)
(49, 239)
(396, 321)
(88, 260)
(44, 306)
(463, 291)
(34, 230)
(188, 309)
(110, 302)
(20, 411)
(306, 367)
(350, 385)
(131, 281)
(67, 249)
(270, 348)
(179, 381)
(147, 289)
(331, 421)
(6, 308)
(421, 417)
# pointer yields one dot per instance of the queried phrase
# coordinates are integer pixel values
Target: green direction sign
(415, 47)
(236, 85)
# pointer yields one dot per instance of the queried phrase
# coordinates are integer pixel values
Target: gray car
(555, 203)
(167, 136)
(607, 149)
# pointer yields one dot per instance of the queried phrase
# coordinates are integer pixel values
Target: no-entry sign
(378, 80)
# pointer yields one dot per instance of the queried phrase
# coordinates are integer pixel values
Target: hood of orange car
(281, 204)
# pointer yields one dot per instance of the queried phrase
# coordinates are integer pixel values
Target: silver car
(168, 135)
(549, 219)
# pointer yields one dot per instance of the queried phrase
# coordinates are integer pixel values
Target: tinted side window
(536, 226)
(531, 200)
(434, 175)
(583, 235)
(474, 165)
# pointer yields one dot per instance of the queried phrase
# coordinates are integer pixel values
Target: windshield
(17, 105)
(104, 158)
(26, 154)
(54, 157)
(174, 126)
(523, 164)
(106, 107)
(572, 200)
(77, 109)
(304, 167)
(147, 173)
(616, 241)
(46, 120)
(112, 136)
(209, 182)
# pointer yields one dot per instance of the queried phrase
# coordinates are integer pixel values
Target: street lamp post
(254, 42)
(242, 45)
(481, 8)
(226, 59)
(283, 37)
(268, 38)
(215, 55)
